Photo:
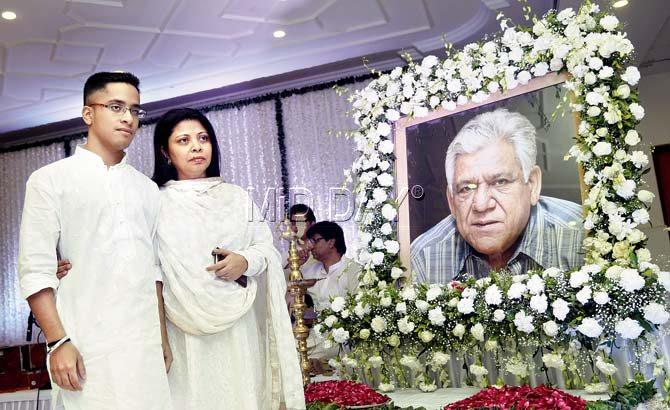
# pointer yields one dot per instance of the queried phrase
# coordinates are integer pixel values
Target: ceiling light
(620, 3)
(8, 15)
(279, 34)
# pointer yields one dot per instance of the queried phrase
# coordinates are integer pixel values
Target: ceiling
(180, 47)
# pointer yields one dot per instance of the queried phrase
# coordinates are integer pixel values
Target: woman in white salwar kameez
(232, 345)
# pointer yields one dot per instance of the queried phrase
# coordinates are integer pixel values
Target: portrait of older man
(499, 221)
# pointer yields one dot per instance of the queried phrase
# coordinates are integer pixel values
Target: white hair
(492, 126)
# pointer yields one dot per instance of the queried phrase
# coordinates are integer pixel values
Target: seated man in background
(498, 219)
(337, 274)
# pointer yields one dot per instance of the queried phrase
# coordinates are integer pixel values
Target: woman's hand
(231, 267)
(63, 268)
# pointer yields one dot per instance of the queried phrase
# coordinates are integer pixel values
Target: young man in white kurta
(102, 218)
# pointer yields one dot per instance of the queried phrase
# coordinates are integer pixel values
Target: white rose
(340, 335)
(632, 138)
(385, 179)
(606, 368)
(378, 324)
(579, 278)
(385, 301)
(420, 111)
(631, 76)
(458, 331)
(560, 308)
(645, 196)
(422, 305)
(401, 307)
(523, 322)
(392, 247)
(656, 313)
(448, 105)
(609, 22)
(426, 336)
(623, 91)
(429, 61)
(643, 255)
(384, 129)
(337, 304)
(535, 285)
(405, 326)
(499, 315)
(637, 111)
(493, 295)
(540, 69)
(550, 328)
(625, 188)
(552, 273)
(590, 327)
(641, 216)
(523, 77)
(601, 298)
(386, 229)
(375, 361)
(377, 258)
(477, 332)
(392, 115)
(593, 111)
(408, 293)
(639, 159)
(595, 63)
(553, 360)
(584, 295)
(389, 212)
(379, 195)
(629, 328)
(436, 316)
(602, 148)
(664, 280)
(556, 64)
(605, 72)
(396, 272)
(385, 147)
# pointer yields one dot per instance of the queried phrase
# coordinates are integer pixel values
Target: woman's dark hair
(329, 230)
(163, 172)
(302, 209)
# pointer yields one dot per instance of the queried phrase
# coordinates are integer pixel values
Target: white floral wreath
(619, 293)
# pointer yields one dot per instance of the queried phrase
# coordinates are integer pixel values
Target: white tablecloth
(26, 400)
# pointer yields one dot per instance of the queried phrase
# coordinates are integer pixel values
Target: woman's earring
(169, 161)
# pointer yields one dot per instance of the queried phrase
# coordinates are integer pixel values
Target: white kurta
(233, 347)
(102, 219)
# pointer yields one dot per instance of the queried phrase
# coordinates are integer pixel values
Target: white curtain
(317, 157)
(15, 168)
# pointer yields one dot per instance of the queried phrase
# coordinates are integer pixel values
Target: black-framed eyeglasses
(121, 109)
(314, 241)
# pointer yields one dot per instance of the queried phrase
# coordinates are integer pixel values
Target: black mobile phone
(242, 280)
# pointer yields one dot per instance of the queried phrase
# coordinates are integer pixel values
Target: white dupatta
(196, 216)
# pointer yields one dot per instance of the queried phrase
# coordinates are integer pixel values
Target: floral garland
(569, 319)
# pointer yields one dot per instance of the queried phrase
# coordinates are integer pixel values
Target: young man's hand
(63, 268)
(67, 367)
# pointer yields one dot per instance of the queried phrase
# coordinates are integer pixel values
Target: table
(26, 400)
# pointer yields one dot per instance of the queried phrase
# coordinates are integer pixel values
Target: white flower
(556, 64)
(535, 285)
(565, 15)
(523, 77)
(641, 216)
(375, 361)
(539, 303)
(595, 63)
(385, 179)
(629, 328)
(434, 292)
(377, 258)
(584, 295)
(645, 196)
(386, 301)
(664, 280)
(631, 280)
(523, 322)
(396, 272)
(426, 336)
(516, 290)
(478, 371)
(378, 324)
(593, 111)
(552, 273)
(422, 305)
(386, 387)
(550, 328)
(384, 129)
(639, 159)
(540, 69)
(408, 293)
(623, 91)
(350, 362)
(430, 61)
(477, 332)
(632, 138)
(637, 111)
(605, 367)
(605, 72)
(601, 298)
(427, 387)
(337, 304)
(602, 148)
(340, 335)
(590, 327)
(330, 320)
(656, 313)
(517, 367)
(579, 278)
(440, 359)
(436, 316)
(389, 212)
(465, 306)
(385, 147)
(391, 246)
(393, 340)
(392, 115)
(614, 272)
(401, 307)
(499, 315)
(459, 330)
(405, 326)
(469, 293)
(493, 295)
(454, 85)
(560, 309)
(364, 333)
(379, 195)
(625, 188)
(631, 76)
(596, 388)
(553, 360)
(420, 111)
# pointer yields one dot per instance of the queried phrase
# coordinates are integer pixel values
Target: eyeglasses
(314, 241)
(120, 109)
